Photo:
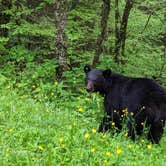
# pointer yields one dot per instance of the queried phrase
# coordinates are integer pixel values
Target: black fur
(143, 99)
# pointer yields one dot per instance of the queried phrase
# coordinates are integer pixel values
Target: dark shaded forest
(48, 39)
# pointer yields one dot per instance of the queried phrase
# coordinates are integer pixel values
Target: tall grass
(41, 133)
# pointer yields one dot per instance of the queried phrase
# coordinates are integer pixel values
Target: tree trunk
(120, 33)
(104, 21)
(117, 36)
(123, 28)
(60, 36)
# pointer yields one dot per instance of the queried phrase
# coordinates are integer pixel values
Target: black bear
(141, 99)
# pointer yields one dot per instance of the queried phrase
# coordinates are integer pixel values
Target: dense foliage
(45, 121)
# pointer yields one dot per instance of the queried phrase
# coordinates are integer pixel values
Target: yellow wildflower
(55, 83)
(78, 98)
(74, 124)
(108, 154)
(33, 86)
(80, 109)
(87, 99)
(149, 146)
(131, 113)
(115, 111)
(40, 148)
(10, 130)
(103, 136)
(105, 161)
(63, 145)
(113, 123)
(8, 87)
(142, 123)
(93, 149)
(47, 110)
(118, 150)
(94, 131)
(130, 146)
(86, 135)
(61, 139)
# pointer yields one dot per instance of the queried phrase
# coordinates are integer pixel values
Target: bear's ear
(107, 73)
(87, 69)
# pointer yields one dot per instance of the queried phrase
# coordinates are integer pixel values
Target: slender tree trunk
(120, 33)
(123, 28)
(117, 36)
(104, 21)
(60, 36)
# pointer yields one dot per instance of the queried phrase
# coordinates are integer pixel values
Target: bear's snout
(90, 87)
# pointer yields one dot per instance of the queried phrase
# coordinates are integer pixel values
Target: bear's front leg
(131, 130)
(108, 122)
(156, 131)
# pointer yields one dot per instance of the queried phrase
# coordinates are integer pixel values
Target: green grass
(43, 133)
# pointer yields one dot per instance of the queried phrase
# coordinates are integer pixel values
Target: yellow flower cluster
(131, 113)
(10, 130)
(80, 109)
(33, 86)
(40, 148)
(149, 146)
(8, 87)
(47, 110)
(113, 123)
(104, 136)
(87, 99)
(108, 154)
(93, 149)
(56, 83)
(61, 139)
(142, 141)
(118, 150)
(78, 98)
(63, 145)
(125, 112)
(86, 135)
(74, 124)
(94, 131)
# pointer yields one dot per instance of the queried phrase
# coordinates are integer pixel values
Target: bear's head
(96, 80)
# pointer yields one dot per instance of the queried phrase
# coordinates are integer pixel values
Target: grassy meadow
(35, 131)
